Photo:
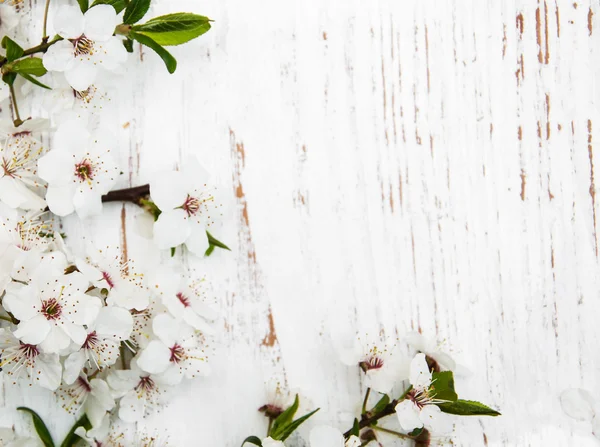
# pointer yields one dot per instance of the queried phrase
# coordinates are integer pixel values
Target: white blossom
(184, 298)
(187, 206)
(20, 184)
(79, 170)
(419, 408)
(140, 392)
(379, 358)
(88, 44)
(20, 358)
(178, 351)
(101, 346)
(125, 287)
(431, 349)
(52, 310)
(94, 396)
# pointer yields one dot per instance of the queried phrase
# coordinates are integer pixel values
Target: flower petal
(60, 199)
(81, 74)
(114, 322)
(72, 137)
(169, 190)
(171, 229)
(111, 54)
(197, 241)
(100, 22)
(87, 201)
(33, 331)
(59, 56)
(16, 195)
(420, 376)
(155, 357)
(74, 363)
(408, 415)
(437, 422)
(56, 167)
(68, 22)
(166, 328)
(132, 408)
(48, 371)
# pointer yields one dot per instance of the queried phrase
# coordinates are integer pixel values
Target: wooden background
(399, 165)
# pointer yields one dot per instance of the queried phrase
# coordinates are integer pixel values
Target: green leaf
(416, 432)
(252, 440)
(173, 249)
(119, 5)
(216, 242)
(71, 438)
(284, 418)
(13, 49)
(167, 58)
(9, 78)
(136, 9)
(83, 5)
(128, 44)
(443, 385)
(209, 250)
(355, 428)
(34, 81)
(174, 29)
(379, 406)
(40, 427)
(31, 65)
(468, 408)
(289, 429)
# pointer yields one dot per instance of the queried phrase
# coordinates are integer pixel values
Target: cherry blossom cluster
(108, 337)
(418, 392)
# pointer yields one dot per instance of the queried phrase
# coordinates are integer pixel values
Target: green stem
(269, 426)
(392, 432)
(368, 420)
(364, 406)
(44, 33)
(6, 318)
(13, 98)
(41, 48)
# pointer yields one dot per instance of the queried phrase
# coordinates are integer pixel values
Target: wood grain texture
(402, 165)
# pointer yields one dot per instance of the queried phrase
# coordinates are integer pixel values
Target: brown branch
(133, 195)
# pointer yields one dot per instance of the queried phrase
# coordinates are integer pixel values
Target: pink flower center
(177, 353)
(84, 170)
(146, 384)
(191, 205)
(82, 46)
(371, 363)
(82, 383)
(91, 341)
(51, 309)
(106, 276)
(184, 299)
(28, 351)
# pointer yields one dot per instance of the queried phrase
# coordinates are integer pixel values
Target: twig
(13, 99)
(133, 195)
(44, 33)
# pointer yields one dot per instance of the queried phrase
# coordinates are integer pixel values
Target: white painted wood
(404, 165)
